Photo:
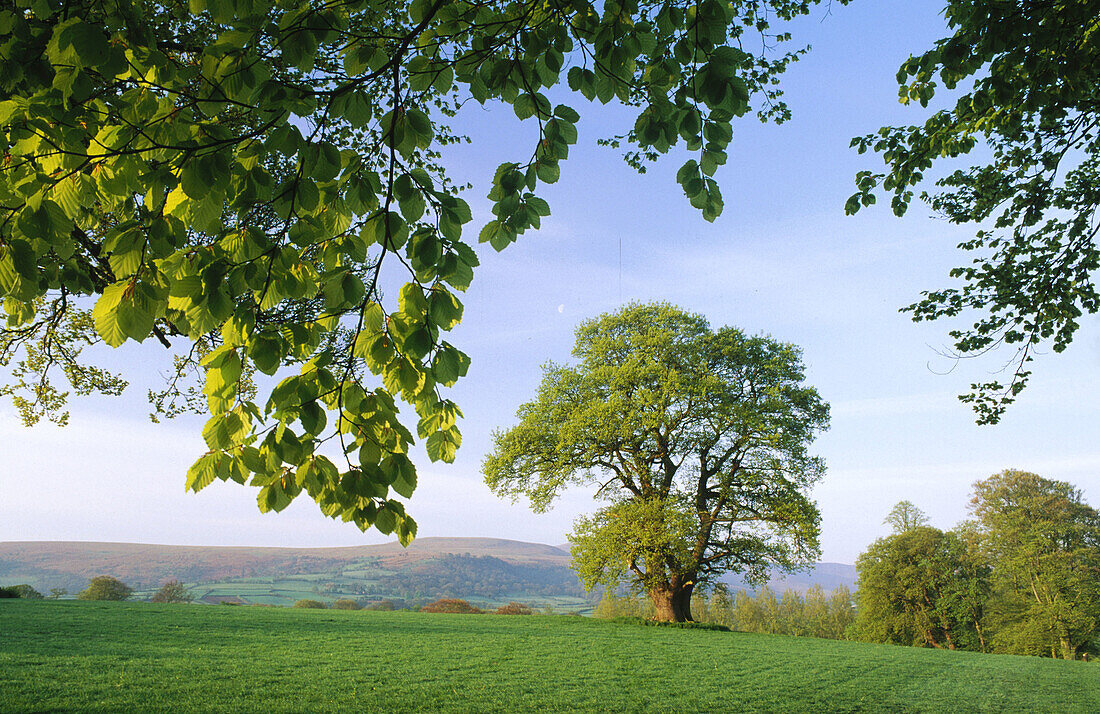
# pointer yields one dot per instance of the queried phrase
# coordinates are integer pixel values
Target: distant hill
(488, 570)
(829, 576)
(70, 564)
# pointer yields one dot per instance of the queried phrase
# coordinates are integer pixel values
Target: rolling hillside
(486, 570)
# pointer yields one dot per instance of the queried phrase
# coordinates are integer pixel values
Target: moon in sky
(561, 308)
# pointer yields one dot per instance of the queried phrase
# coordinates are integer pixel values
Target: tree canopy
(261, 186)
(905, 516)
(105, 587)
(1045, 543)
(697, 439)
(1026, 73)
(922, 586)
(172, 591)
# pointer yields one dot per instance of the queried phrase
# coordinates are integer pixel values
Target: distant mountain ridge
(72, 563)
(829, 576)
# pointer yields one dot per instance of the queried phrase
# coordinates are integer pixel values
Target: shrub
(383, 605)
(515, 608)
(346, 604)
(312, 604)
(173, 591)
(104, 587)
(631, 620)
(8, 591)
(451, 605)
(24, 591)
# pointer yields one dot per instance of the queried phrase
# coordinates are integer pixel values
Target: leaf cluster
(105, 587)
(1027, 73)
(239, 176)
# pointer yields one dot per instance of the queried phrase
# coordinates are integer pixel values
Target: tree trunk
(672, 602)
(981, 636)
(1069, 650)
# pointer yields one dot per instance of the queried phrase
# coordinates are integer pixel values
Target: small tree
(173, 591)
(842, 613)
(310, 604)
(57, 593)
(452, 606)
(383, 606)
(612, 605)
(721, 606)
(905, 516)
(104, 587)
(25, 591)
(345, 603)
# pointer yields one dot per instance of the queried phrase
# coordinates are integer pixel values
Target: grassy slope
(77, 656)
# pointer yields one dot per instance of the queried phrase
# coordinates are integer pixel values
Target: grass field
(122, 657)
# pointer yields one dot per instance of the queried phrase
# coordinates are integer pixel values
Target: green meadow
(116, 657)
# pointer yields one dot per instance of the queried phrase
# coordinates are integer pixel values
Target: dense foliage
(697, 439)
(261, 187)
(453, 606)
(104, 587)
(1026, 73)
(23, 591)
(310, 604)
(1044, 543)
(1023, 577)
(345, 603)
(922, 586)
(809, 614)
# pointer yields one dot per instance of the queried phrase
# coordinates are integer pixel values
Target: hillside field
(109, 657)
(486, 571)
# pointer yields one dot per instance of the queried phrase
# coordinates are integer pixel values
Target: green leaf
(441, 445)
(203, 472)
(105, 314)
(266, 353)
(306, 195)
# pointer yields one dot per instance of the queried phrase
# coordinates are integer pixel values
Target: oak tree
(1025, 73)
(696, 439)
(261, 187)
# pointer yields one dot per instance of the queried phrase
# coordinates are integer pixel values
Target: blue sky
(783, 259)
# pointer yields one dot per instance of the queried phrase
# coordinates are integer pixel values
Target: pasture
(111, 657)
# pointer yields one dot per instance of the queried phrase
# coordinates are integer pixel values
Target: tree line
(810, 614)
(480, 575)
(102, 587)
(1022, 576)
